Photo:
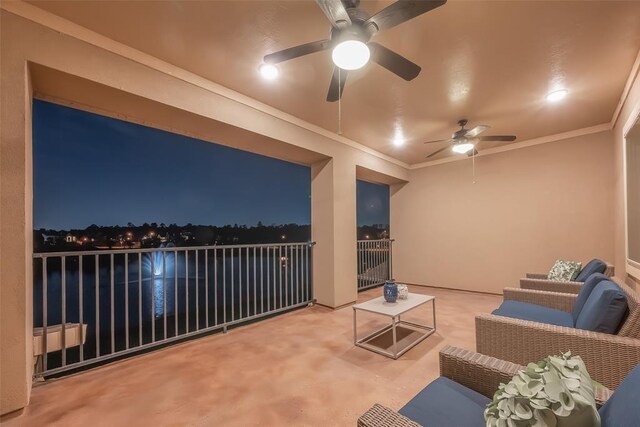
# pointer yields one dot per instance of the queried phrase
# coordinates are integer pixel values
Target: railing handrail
(375, 240)
(166, 249)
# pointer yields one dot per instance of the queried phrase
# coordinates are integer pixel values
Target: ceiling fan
(465, 141)
(351, 32)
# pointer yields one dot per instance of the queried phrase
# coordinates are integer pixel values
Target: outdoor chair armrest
(610, 271)
(381, 416)
(551, 285)
(556, 300)
(609, 358)
(476, 371)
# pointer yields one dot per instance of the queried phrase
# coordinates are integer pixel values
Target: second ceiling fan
(350, 39)
(465, 141)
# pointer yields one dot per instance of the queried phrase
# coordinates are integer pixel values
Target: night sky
(372, 203)
(91, 169)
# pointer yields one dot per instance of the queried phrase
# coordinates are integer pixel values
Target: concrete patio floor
(297, 369)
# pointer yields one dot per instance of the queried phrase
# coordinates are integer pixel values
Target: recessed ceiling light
(557, 95)
(351, 55)
(462, 147)
(269, 71)
(398, 141)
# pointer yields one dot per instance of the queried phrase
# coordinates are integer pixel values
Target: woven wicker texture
(381, 416)
(556, 300)
(608, 358)
(551, 285)
(475, 371)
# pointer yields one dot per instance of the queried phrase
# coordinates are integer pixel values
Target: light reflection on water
(159, 273)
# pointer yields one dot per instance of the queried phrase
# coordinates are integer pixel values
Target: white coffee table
(412, 333)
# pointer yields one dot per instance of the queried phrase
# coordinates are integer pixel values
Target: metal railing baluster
(126, 300)
(186, 287)
(206, 288)
(164, 295)
(111, 308)
(197, 294)
(81, 306)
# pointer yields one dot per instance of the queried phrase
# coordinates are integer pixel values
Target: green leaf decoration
(555, 392)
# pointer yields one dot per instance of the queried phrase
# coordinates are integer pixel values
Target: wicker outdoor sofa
(609, 358)
(475, 371)
(540, 282)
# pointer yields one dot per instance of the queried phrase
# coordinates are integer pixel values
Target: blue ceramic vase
(390, 291)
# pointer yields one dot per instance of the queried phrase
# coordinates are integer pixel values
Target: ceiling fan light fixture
(269, 71)
(557, 95)
(351, 55)
(462, 147)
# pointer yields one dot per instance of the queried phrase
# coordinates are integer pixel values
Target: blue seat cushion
(585, 291)
(622, 409)
(445, 403)
(604, 309)
(534, 313)
(593, 266)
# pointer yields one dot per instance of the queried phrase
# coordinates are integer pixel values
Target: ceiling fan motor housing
(355, 31)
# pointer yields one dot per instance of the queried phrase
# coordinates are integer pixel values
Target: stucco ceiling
(490, 62)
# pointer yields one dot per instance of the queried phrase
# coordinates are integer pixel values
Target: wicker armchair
(609, 358)
(539, 282)
(472, 370)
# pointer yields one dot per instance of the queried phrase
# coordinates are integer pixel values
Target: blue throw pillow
(593, 266)
(622, 409)
(584, 293)
(604, 309)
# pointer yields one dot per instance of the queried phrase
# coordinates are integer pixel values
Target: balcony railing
(374, 262)
(97, 305)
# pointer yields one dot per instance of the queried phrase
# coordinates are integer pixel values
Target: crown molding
(518, 145)
(633, 75)
(66, 27)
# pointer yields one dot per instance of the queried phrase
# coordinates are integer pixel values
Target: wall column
(16, 268)
(333, 225)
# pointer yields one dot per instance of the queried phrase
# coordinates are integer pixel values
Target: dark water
(173, 296)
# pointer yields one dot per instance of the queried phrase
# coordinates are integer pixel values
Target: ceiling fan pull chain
(473, 160)
(339, 102)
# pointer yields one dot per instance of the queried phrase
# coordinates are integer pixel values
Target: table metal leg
(433, 306)
(355, 330)
(393, 328)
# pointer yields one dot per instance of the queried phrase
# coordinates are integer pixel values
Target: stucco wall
(527, 208)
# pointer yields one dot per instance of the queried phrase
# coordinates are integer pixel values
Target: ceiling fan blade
(401, 11)
(472, 153)
(438, 140)
(335, 11)
(336, 88)
(472, 133)
(497, 138)
(393, 62)
(437, 151)
(297, 51)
